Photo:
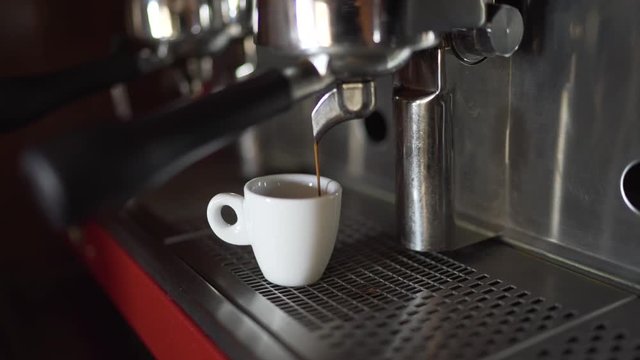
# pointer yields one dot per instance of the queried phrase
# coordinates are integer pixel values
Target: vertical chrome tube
(424, 154)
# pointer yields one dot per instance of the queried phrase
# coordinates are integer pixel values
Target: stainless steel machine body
(369, 39)
(539, 141)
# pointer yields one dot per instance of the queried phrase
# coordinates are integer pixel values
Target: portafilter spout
(347, 101)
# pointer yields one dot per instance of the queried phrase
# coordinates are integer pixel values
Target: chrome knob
(499, 36)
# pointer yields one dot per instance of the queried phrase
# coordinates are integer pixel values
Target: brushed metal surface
(376, 300)
(607, 335)
(363, 38)
(540, 140)
(548, 133)
(423, 154)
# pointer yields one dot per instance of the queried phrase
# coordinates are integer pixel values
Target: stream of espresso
(317, 161)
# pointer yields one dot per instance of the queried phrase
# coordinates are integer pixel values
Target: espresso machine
(490, 158)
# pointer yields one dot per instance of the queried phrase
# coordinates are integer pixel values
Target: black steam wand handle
(73, 177)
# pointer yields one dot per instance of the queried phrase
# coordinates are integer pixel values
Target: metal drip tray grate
(611, 336)
(599, 342)
(377, 300)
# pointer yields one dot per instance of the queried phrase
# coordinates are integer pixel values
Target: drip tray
(379, 301)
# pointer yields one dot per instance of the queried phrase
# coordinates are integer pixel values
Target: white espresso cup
(291, 229)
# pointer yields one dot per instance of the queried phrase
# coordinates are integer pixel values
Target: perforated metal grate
(377, 300)
(597, 340)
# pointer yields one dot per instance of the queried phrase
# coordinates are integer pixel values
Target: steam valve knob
(500, 35)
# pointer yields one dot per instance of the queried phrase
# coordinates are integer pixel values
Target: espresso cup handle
(233, 234)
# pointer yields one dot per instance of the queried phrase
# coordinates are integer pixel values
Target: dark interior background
(49, 305)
